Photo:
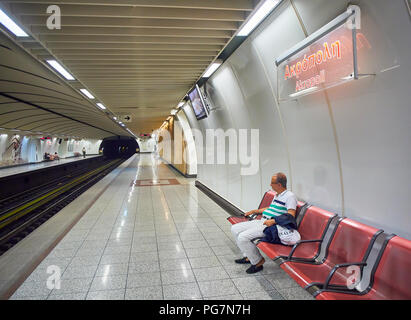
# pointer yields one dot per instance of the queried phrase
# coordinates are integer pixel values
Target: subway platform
(12, 170)
(143, 232)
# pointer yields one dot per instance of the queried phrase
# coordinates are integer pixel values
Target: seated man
(245, 232)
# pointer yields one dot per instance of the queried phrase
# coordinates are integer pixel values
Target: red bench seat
(313, 225)
(391, 279)
(350, 243)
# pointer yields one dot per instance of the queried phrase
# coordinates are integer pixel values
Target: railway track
(22, 213)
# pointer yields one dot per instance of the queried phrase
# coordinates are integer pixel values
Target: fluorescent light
(213, 67)
(262, 12)
(11, 25)
(59, 68)
(305, 91)
(101, 106)
(87, 93)
(181, 104)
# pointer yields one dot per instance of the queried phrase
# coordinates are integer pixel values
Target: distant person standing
(84, 152)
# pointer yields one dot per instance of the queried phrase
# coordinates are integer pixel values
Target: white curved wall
(31, 148)
(345, 149)
(146, 145)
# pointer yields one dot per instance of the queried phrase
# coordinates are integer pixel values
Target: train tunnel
(113, 147)
(234, 150)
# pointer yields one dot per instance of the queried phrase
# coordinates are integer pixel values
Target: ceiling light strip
(6, 21)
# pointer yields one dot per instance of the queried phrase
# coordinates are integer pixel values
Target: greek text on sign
(325, 63)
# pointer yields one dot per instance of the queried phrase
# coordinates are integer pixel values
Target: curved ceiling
(34, 99)
(139, 57)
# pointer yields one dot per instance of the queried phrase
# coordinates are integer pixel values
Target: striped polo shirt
(281, 204)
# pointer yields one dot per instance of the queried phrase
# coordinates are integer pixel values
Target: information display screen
(198, 104)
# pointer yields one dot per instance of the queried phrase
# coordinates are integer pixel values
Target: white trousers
(244, 233)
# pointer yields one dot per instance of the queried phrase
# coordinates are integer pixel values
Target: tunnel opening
(118, 147)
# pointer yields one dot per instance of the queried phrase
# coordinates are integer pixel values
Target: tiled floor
(153, 242)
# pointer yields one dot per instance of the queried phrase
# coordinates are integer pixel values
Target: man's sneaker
(242, 260)
(254, 269)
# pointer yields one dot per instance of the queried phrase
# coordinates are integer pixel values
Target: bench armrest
(253, 216)
(290, 256)
(341, 265)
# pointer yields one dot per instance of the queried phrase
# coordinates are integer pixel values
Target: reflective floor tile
(145, 293)
(119, 242)
(217, 288)
(117, 250)
(181, 291)
(68, 296)
(271, 267)
(39, 274)
(204, 262)
(63, 253)
(84, 252)
(69, 244)
(177, 276)
(166, 254)
(76, 272)
(248, 284)
(189, 244)
(209, 274)
(259, 295)
(91, 244)
(296, 293)
(191, 236)
(73, 286)
(170, 246)
(32, 289)
(225, 250)
(144, 247)
(62, 263)
(238, 270)
(108, 283)
(144, 257)
(228, 259)
(207, 230)
(144, 234)
(85, 261)
(174, 264)
(29, 298)
(112, 270)
(199, 252)
(216, 234)
(142, 267)
(161, 238)
(115, 258)
(143, 279)
(144, 240)
(106, 295)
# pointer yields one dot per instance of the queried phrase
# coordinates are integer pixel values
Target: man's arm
(255, 211)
